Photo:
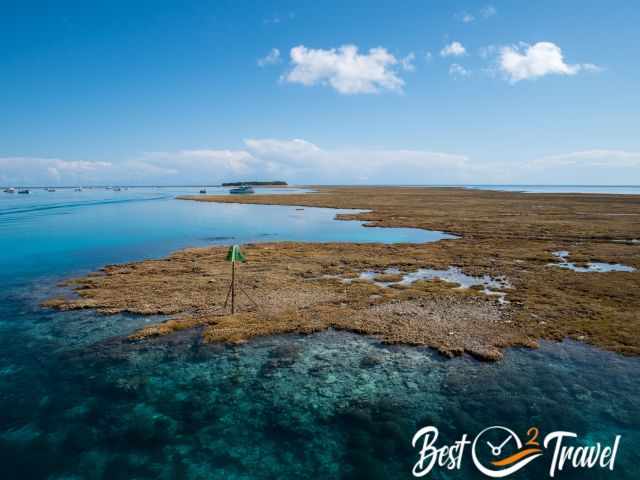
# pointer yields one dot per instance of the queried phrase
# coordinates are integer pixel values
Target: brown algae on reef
(301, 287)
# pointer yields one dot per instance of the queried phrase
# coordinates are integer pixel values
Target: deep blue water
(77, 402)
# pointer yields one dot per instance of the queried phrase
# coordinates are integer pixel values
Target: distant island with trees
(255, 184)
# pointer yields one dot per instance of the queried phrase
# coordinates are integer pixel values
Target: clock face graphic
(498, 451)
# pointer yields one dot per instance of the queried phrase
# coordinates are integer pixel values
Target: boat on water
(116, 189)
(51, 189)
(242, 189)
(24, 191)
(203, 191)
(10, 190)
(77, 189)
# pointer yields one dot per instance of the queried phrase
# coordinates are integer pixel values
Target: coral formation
(504, 235)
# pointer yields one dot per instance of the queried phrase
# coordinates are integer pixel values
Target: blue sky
(327, 92)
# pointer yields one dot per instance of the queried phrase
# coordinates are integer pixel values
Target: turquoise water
(79, 402)
(66, 231)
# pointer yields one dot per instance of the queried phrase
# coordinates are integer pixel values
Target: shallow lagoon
(65, 231)
(76, 403)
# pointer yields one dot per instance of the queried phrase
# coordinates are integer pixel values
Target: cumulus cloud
(457, 70)
(345, 70)
(454, 49)
(533, 61)
(271, 58)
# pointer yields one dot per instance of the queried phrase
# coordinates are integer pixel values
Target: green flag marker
(234, 254)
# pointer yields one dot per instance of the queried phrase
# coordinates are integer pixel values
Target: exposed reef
(505, 235)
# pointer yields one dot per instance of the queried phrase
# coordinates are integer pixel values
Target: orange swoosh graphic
(515, 457)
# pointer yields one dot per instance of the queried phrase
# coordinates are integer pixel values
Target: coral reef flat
(506, 235)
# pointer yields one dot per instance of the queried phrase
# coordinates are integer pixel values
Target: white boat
(10, 190)
(242, 189)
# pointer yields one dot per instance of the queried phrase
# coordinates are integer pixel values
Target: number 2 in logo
(533, 433)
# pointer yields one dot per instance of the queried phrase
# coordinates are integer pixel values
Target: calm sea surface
(78, 403)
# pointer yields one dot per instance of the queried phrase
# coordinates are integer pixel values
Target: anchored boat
(242, 189)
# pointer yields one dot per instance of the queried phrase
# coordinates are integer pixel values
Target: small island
(267, 183)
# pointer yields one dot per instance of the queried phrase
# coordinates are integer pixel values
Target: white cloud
(532, 61)
(294, 160)
(205, 163)
(466, 17)
(272, 58)
(344, 69)
(590, 67)
(488, 11)
(590, 158)
(428, 56)
(457, 70)
(47, 171)
(301, 161)
(484, 13)
(586, 167)
(290, 149)
(454, 49)
(407, 62)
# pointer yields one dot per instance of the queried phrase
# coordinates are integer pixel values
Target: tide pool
(78, 402)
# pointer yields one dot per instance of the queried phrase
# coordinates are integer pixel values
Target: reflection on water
(76, 401)
(49, 235)
(601, 267)
(452, 275)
